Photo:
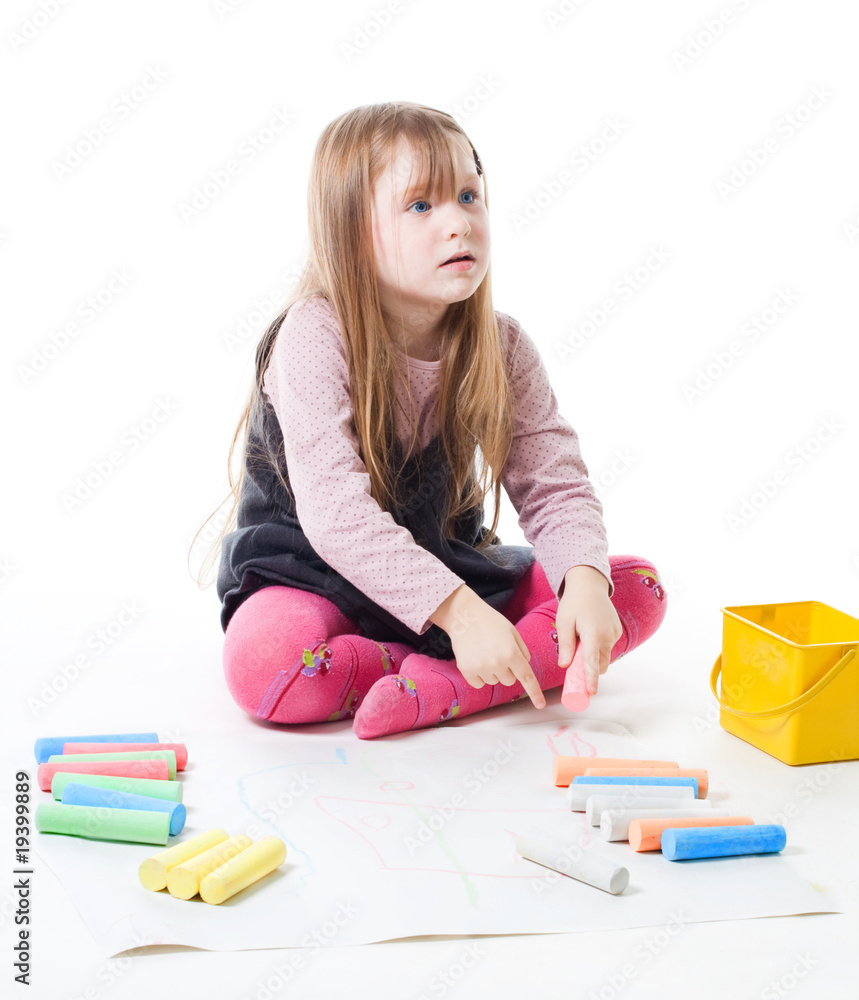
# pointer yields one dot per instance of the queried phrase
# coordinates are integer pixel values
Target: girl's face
(414, 234)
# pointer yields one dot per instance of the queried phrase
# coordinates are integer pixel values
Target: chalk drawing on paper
(470, 844)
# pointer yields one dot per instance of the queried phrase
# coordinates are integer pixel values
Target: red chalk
(117, 768)
(575, 696)
(179, 749)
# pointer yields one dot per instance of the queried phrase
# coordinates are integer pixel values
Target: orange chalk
(179, 749)
(564, 769)
(159, 769)
(646, 834)
(679, 772)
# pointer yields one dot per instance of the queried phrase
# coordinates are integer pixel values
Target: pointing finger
(526, 677)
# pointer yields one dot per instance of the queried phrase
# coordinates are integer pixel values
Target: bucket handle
(791, 706)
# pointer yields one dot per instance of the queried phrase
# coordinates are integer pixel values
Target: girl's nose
(460, 226)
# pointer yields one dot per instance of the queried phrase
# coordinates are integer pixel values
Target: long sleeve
(307, 383)
(545, 476)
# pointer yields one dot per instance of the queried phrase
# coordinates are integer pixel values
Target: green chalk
(169, 790)
(98, 758)
(101, 823)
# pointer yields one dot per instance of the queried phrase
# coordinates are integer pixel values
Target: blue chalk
(92, 795)
(679, 843)
(47, 745)
(651, 779)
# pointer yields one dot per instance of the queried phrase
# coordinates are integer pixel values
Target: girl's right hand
(487, 647)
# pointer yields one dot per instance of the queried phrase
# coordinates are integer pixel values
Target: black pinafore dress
(268, 546)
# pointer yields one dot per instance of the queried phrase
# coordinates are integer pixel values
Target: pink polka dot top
(545, 477)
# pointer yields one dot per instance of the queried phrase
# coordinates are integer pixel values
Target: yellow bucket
(790, 680)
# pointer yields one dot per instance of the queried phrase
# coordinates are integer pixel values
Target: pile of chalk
(123, 787)
(118, 786)
(655, 805)
(214, 865)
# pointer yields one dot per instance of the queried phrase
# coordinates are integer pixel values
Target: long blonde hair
(475, 404)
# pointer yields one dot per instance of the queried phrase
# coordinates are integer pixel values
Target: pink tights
(291, 656)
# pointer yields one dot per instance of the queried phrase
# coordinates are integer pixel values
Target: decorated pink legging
(291, 656)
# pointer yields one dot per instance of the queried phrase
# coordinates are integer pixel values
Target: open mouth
(459, 256)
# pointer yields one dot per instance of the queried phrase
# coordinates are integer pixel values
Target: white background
(680, 478)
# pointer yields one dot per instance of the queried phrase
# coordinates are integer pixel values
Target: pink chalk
(117, 768)
(179, 749)
(575, 695)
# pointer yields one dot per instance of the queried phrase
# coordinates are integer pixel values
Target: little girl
(360, 580)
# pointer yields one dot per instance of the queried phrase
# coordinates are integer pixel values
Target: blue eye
(474, 195)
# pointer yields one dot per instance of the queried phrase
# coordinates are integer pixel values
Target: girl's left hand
(586, 609)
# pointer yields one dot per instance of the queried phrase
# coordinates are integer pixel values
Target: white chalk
(582, 864)
(614, 823)
(579, 794)
(597, 804)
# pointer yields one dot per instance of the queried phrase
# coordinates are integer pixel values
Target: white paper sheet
(408, 835)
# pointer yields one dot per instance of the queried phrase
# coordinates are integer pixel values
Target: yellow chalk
(251, 865)
(183, 881)
(153, 871)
